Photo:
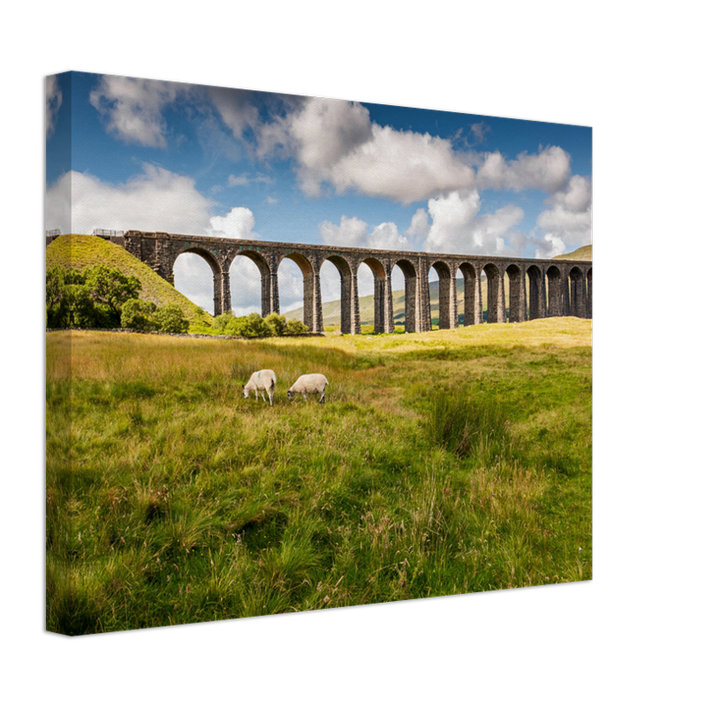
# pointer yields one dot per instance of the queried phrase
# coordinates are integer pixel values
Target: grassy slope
(172, 499)
(583, 253)
(79, 251)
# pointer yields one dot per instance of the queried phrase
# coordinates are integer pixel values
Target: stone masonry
(555, 288)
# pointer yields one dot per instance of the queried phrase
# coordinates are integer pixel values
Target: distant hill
(582, 253)
(331, 310)
(78, 251)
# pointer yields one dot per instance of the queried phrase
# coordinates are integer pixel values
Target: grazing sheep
(262, 381)
(309, 384)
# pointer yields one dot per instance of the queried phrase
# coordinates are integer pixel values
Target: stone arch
(221, 301)
(380, 289)
(495, 293)
(518, 305)
(447, 296)
(472, 299)
(412, 310)
(312, 301)
(537, 306)
(556, 285)
(264, 270)
(347, 316)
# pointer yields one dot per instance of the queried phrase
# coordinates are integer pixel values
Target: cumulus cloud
(132, 108)
(548, 170)
(156, 200)
(355, 233)
(403, 166)
(459, 227)
(567, 224)
(237, 223)
(419, 228)
(334, 142)
(53, 101)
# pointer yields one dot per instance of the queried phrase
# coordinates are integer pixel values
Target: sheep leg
(262, 392)
(304, 397)
(322, 397)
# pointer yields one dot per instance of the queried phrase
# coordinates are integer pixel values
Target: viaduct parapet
(537, 288)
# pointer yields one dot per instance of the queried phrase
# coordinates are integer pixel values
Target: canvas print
(306, 353)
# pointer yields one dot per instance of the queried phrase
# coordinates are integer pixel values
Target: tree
(110, 288)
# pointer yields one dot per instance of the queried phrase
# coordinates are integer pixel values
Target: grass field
(442, 463)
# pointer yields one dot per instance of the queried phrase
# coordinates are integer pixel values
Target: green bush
(138, 314)
(221, 321)
(295, 326)
(251, 326)
(170, 319)
(276, 323)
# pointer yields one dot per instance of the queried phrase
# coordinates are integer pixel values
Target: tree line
(101, 297)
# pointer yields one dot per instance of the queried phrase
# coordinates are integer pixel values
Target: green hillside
(78, 251)
(582, 253)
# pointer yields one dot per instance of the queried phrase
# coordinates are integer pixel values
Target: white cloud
(548, 170)
(403, 166)
(355, 233)
(334, 142)
(133, 108)
(156, 200)
(458, 227)
(237, 223)
(53, 101)
(419, 226)
(567, 224)
(350, 232)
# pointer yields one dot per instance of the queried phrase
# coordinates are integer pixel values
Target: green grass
(442, 463)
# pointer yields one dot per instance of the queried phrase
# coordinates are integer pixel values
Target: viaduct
(537, 288)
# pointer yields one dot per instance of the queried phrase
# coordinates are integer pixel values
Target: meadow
(442, 463)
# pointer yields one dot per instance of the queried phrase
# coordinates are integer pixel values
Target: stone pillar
(317, 303)
(308, 301)
(226, 302)
(274, 293)
(589, 295)
(518, 297)
(578, 306)
(411, 305)
(345, 303)
(496, 296)
(265, 296)
(379, 302)
(543, 311)
(354, 302)
(472, 301)
(565, 295)
(424, 316)
(388, 306)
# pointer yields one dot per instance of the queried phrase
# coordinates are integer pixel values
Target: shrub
(170, 319)
(295, 326)
(138, 314)
(276, 323)
(110, 288)
(251, 326)
(220, 322)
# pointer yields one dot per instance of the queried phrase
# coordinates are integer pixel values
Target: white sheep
(309, 384)
(262, 381)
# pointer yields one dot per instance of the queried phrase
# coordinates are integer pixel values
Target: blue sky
(183, 158)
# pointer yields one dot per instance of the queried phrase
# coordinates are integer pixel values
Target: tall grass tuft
(466, 424)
